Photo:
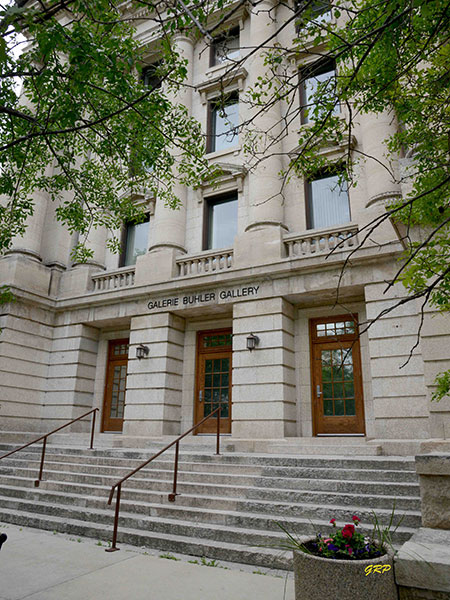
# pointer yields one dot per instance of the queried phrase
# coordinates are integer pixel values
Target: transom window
(221, 221)
(135, 241)
(327, 201)
(217, 340)
(223, 123)
(225, 47)
(318, 78)
(334, 328)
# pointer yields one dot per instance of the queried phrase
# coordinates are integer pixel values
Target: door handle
(200, 396)
(319, 393)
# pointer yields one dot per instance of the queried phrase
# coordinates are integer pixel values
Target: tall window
(327, 201)
(135, 241)
(321, 76)
(225, 47)
(151, 76)
(220, 221)
(223, 123)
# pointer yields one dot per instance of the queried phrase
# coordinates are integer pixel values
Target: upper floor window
(327, 201)
(225, 47)
(135, 241)
(223, 123)
(317, 11)
(221, 215)
(151, 76)
(319, 78)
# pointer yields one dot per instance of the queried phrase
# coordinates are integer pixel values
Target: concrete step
(227, 508)
(265, 460)
(202, 472)
(265, 557)
(223, 498)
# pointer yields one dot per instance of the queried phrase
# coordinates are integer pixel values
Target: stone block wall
(264, 379)
(154, 384)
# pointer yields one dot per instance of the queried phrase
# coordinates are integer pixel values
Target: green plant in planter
(347, 543)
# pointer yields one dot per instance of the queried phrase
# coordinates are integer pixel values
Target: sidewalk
(38, 565)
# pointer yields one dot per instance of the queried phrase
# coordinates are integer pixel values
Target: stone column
(264, 378)
(168, 227)
(262, 240)
(30, 243)
(154, 383)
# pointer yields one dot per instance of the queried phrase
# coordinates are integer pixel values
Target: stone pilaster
(264, 378)
(71, 375)
(154, 383)
(25, 344)
(399, 392)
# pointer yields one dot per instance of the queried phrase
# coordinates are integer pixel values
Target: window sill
(233, 151)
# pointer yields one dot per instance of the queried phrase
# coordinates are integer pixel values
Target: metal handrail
(173, 495)
(44, 443)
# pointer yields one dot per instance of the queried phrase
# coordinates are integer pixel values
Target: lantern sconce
(142, 351)
(252, 341)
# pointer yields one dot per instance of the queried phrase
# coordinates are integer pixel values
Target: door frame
(112, 361)
(199, 351)
(354, 339)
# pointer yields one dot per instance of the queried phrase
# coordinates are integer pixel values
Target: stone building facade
(238, 264)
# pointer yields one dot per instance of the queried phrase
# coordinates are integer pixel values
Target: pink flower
(328, 540)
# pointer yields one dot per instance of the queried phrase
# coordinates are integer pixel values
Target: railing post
(114, 547)
(91, 447)
(218, 432)
(173, 495)
(41, 468)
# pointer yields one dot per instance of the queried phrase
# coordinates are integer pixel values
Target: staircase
(228, 507)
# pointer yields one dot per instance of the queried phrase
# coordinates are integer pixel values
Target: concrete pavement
(38, 565)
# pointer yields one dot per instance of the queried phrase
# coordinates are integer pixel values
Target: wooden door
(213, 381)
(115, 386)
(337, 392)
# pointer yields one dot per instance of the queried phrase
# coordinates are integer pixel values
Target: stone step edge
(169, 483)
(218, 548)
(320, 523)
(353, 509)
(195, 473)
(132, 452)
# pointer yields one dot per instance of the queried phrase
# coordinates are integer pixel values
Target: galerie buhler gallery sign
(220, 295)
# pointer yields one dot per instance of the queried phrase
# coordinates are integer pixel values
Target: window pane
(321, 79)
(222, 223)
(328, 202)
(225, 120)
(226, 48)
(136, 242)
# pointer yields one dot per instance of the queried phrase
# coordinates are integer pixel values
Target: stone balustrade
(112, 280)
(204, 263)
(321, 241)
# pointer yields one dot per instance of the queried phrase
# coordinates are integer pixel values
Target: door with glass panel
(213, 385)
(115, 386)
(338, 405)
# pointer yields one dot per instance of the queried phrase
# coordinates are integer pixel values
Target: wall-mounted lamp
(142, 351)
(252, 341)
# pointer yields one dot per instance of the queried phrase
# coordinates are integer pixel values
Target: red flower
(348, 531)
(333, 521)
(356, 519)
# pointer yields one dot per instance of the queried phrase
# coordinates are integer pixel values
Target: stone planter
(317, 578)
